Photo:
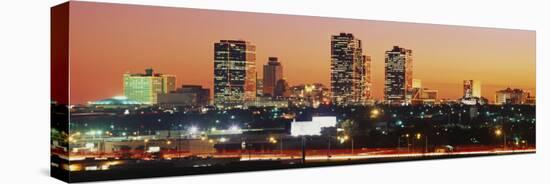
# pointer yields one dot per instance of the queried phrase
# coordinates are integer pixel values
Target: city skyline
(157, 91)
(443, 60)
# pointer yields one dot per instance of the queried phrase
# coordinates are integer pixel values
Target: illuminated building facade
(234, 73)
(273, 72)
(512, 96)
(311, 95)
(368, 79)
(472, 88)
(144, 88)
(259, 87)
(398, 76)
(114, 103)
(422, 96)
(472, 93)
(313, 127)
(264, 102)
(348, 70)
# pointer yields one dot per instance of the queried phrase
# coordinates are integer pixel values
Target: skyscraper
(398, 76)
(472, 88)
(234, 72)
(368, 78)
(144, 88)
(348, 70)
(273, 72)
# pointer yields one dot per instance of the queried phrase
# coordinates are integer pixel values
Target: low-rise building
(512, 96)
(187, 95)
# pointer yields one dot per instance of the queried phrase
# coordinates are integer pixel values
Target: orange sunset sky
(108, 40)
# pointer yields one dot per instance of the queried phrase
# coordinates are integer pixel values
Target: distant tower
(281, 89)
(472, 88)
(234, 73)
(273, 72)
(348, 70)
(398, 76)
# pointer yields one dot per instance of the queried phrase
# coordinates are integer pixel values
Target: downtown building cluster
(236, 83)
(350, 76)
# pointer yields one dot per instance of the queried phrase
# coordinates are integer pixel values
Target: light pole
(499, 132)
(399, 142)
(419, 136)
(145, 146)
(426, 144)
(329, 140)
(408, 143)
(303, 149)
(281, 139)
(352, 145)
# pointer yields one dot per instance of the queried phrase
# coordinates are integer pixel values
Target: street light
(344, 139)
(399, 142)
(419, 136)
(193, 129)
(272, 140)
(374, 113)
(145, 141)
(234, 128)
(498, 133)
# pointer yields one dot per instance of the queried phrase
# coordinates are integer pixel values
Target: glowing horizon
(108, 40)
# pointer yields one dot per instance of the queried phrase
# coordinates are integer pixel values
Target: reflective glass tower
(398, 80)
(348, 70)
(234, 73)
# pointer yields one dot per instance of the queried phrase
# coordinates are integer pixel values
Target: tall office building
(234, 73)
(144, 88)
(398, 76)
(348, 70)
(273, 72)
(472, 88)
(368, 78)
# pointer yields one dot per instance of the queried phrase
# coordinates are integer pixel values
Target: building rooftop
(117, 100)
